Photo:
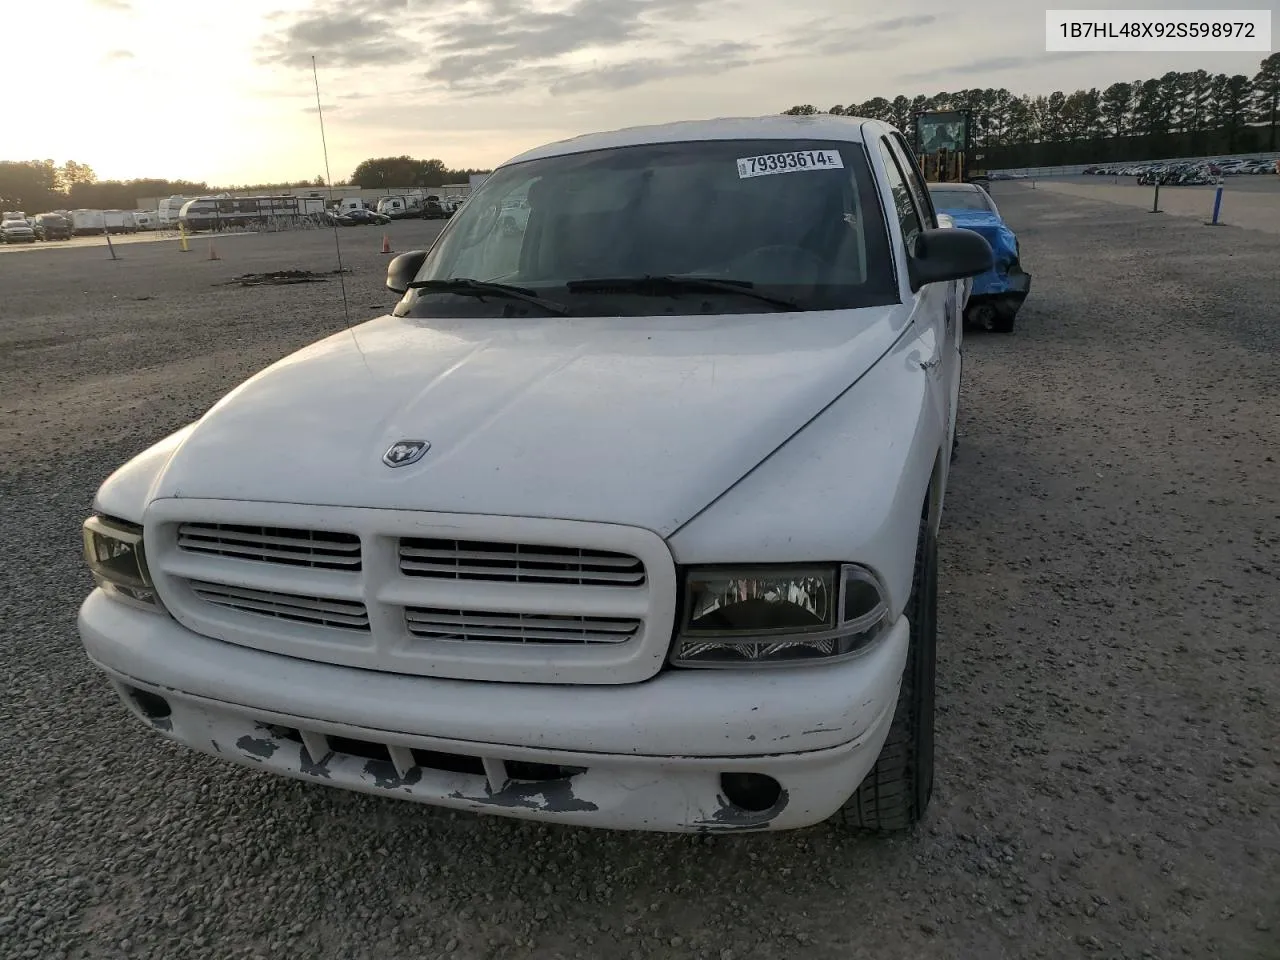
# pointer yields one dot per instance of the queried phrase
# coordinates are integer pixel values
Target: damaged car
(358, 217)
(997, 295)
(628, 520)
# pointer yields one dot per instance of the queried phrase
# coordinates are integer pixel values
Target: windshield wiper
(672, 284)
(466, 287)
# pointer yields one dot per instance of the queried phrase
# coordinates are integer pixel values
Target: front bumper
(643, 756)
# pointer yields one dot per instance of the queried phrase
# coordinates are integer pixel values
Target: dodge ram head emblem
(405, 452)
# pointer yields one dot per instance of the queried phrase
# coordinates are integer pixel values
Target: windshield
(961, 200)
(800, 220)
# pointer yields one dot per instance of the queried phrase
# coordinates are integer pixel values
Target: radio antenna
(337, 243)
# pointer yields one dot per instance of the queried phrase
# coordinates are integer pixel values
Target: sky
(223, 91)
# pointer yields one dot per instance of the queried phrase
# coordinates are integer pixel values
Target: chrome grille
(298, 548)
(488, 627)
(319, 611)
(518, 563)
(462, 596)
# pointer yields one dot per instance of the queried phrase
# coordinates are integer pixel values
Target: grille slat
(490, 627)
(343, 614)
(458, 571)
(498, 555)
(291, 547)
(516, 563)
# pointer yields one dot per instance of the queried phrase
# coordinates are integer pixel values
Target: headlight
(113, 549)
(759, 616)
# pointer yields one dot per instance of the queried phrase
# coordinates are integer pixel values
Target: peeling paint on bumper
(645, 756)
(672, 794)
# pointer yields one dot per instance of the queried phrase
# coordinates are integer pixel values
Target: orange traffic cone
(213, 254)
(386, 243)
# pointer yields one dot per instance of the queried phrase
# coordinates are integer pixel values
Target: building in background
(450, 190)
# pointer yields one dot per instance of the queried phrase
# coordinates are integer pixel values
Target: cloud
(985, 65)
(490, 47)
(827, 38)
(115, 6)
(506, 42)
(900, 23)
(698, 61)
(356, 34)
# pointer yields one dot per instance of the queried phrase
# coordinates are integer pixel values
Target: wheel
(895, 794)
(1002, 321)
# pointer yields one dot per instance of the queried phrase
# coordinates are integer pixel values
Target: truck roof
(821, 126)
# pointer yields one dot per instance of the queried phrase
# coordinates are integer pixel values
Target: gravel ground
(1109, 740)
(1257, 210)
(1265, 183)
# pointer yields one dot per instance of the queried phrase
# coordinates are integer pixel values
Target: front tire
(895, 794)
(1002, 320)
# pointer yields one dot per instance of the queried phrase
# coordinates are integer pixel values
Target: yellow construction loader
(944, 146)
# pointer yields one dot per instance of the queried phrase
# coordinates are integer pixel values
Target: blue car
(998, 294)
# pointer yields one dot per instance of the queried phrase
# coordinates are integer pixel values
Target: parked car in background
(434, 209)
(358, 216)
(16, 229)
(514, 216)
(399, 208)
(482, 584)
(997, 295)
(51, 226)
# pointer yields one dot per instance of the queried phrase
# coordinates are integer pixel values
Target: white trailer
(400, 206)
(120, 221)
(168, 209)
(87, 221)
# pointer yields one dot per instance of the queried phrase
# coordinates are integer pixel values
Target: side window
(903, 202)
(915, 179)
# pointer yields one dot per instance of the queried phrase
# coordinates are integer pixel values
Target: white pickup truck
(625, 520)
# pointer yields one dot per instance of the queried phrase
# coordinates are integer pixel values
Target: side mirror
(402, 270)
(948, 253)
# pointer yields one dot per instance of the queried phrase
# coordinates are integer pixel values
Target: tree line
(34, 186)
(1179, 114)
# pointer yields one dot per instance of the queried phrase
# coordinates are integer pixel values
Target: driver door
(953, 326)
(934, 302)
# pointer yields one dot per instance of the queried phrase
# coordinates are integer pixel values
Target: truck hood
(640, 421)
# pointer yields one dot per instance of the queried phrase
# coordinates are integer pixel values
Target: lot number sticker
(801, 160)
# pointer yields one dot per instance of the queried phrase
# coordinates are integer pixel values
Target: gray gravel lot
(1109, 737)
(1265, 183)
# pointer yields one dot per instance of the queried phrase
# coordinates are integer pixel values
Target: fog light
(152, 705)
(754, 792)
